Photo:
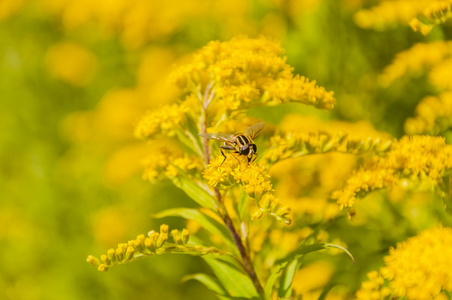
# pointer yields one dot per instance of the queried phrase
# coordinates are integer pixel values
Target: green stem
(246, 259)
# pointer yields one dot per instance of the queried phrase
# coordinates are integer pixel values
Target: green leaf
(271, 281)
(211, 283)
(208, 223)
(235, 281)
(341, 248)
(291, 263)
(285, 284)
(194, 191)
(302, 250)
(242, 204)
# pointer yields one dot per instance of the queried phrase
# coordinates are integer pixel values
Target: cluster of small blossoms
(165, 120)
(411, 158)
(373, 288)
(436, 12)
(135, 22)
(418, 268)
(255, 181)
(418, 58)
(433, 115)
(167, 161)
(155, 244)
(299, 144)
(387, 14)
(245, 72)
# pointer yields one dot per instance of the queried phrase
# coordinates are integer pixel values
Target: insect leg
(227, 147)
(253, 159)
(224, 157)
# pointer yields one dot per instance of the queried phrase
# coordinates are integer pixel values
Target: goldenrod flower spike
(298, 144)
(155, 244)
(245, 72)
(417, 60)
(418, 268)
(436, 12)
(255, 181)
(419, 159)
(433, 115)
(388, 14)
(165, 120)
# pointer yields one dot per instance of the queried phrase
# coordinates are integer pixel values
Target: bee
(240, 143)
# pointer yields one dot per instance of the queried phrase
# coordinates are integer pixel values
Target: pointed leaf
(194, 191)
(271, 281)
(302, 250)
(237, 283)
(292, 263)
(285, 284)
(341, 248)
(242, 204)
(211, 283)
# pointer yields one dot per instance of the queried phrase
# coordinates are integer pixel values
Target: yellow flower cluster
(299, 144)
(433, 115)
(418, 268)
(436, 12)
(412, 158)
(390, 13)
(166, 161)
(255, 180)
(373, 288)
(135, 21)
(165, 120)
(141, 246)
(245, 72)
(10, 7)
(77, 70)
(418, 58)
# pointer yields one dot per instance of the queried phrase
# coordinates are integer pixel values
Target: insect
(241, 143)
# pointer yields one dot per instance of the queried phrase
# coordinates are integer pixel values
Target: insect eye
(245, 149)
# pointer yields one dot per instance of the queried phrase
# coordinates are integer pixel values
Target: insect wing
(227, 138)
(254, 130)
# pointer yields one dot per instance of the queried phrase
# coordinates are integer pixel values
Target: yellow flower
(10, 7)
(255, 181)
(436, 12)
(71, 62)
(154, 244)
(312, 278)
(419, 268)
(388, 14)
(416, 60)
(219, 171)
(165, 120)
(245, 72)
(413, 158)
(166, 160)
(433, 115)
(300, 144)
(373, 288)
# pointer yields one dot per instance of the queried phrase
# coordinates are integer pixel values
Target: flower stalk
(246, 259)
